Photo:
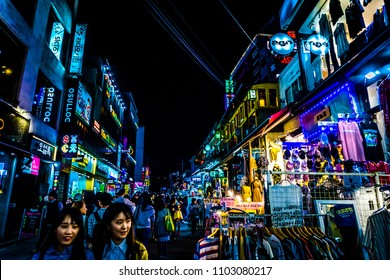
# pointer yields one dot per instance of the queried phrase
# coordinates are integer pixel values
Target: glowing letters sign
(317, 44)
(56, 39)
(78, 49)
(282, 44)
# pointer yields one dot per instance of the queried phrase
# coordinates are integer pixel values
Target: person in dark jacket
(53, 208)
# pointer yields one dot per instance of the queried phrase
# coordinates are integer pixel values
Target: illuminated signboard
(107, 139)
(317, 44)
(56, 39)
(69, 145)
(70, 101)
(30, 165)
(83, 104)
(76, 62)
(43, 149)
(115, 117)
(282, 44)
(46, 103)
(228, 100)
(112, 173)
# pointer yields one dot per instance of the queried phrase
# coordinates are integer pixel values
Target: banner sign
(56, 39)
(43, 149)
(46, 103)
(69, 145)
(69, 109)
(83, 104)
(76, 62)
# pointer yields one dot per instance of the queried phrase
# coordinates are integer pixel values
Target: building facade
(64, 123)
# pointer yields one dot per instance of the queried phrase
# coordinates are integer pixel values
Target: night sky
(174, 57)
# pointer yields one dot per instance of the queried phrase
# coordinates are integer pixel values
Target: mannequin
(257, 190)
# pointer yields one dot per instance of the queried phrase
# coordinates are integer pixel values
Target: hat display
(287, 154)
(302, 154)
(289, 166)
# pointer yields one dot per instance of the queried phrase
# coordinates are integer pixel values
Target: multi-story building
(35, 47)
(64, 123)
(331, 116)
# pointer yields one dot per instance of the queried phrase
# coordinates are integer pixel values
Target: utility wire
(235, 20)
(200, 41)
(176, 34)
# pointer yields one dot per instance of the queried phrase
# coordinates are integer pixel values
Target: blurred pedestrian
(160, 233)
(120, 197)
(172, 208)
(177, 218)
(144, 219)
(90, 201)
(82, 207)
(53, 208)
(193, 213)
(65, 239)
(104, 200)
(115, 239)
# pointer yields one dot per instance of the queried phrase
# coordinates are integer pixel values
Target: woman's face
(67, 232)
(120, 228)
(84, 209)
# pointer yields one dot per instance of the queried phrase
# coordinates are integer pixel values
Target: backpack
(96, 226)
(194, 210)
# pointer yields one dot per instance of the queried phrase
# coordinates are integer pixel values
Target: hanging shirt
(351, 140)
(371, 141)
(115, 252)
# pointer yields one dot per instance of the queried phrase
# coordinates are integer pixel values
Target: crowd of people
(106, 227)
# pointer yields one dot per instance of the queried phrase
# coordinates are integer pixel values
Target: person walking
(144, 219)
(104, 200)
(82, 207)
(160, 233)
(172, 206)
(177, 218)
(193, 212)
(53, 208)
(65, 239)
(120, 197)
(115, 239)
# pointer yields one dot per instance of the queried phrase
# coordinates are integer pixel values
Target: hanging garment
(384, 98)
(377, 236)
(354, 18)
(246, 194)
(335, 10)
(341, 40)
(371, 140)
(351, 140)
(257, 190)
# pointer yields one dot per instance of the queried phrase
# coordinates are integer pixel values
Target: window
(268, 96)
(12, 55)
(26, 9)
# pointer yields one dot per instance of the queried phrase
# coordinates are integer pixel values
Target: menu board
(31, 223)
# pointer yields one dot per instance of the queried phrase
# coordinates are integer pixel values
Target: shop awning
(276, 119)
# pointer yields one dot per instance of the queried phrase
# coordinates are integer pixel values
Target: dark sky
(173, 56)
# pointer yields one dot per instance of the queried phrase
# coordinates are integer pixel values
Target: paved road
(180, 249)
